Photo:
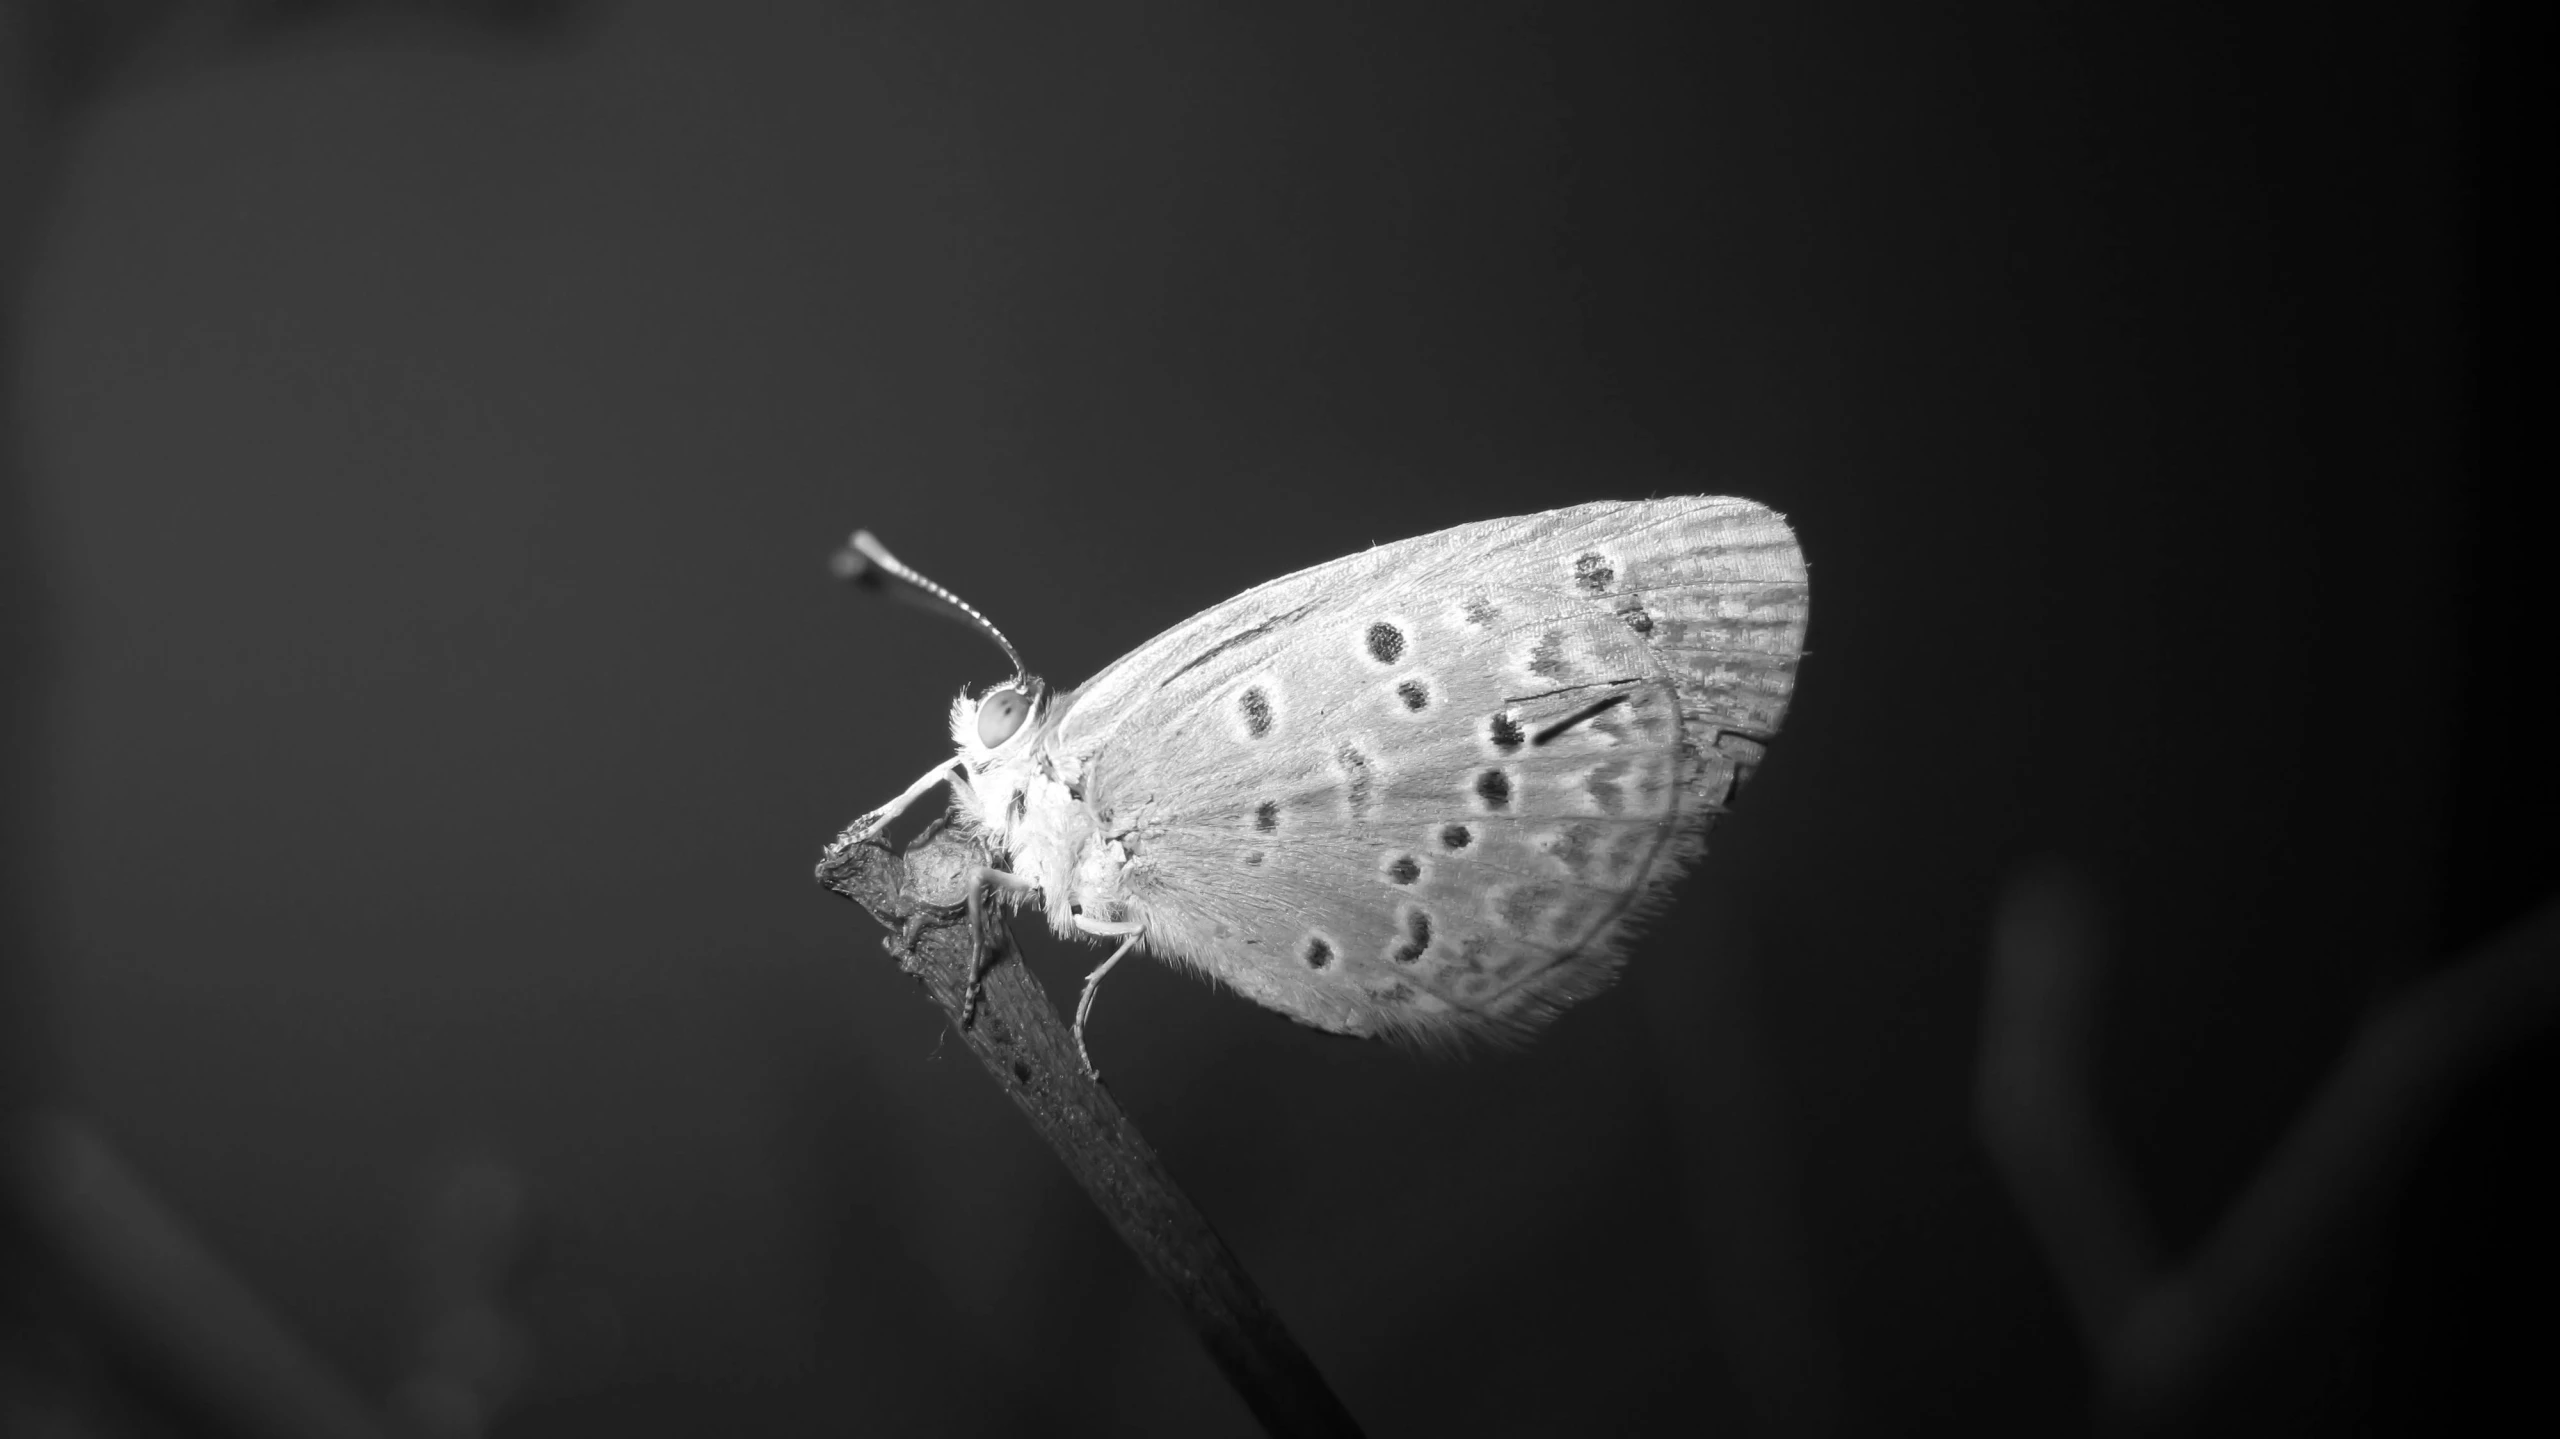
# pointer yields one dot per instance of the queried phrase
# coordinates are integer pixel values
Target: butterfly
(1420, 791)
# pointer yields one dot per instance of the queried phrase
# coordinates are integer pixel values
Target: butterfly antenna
(864, 560)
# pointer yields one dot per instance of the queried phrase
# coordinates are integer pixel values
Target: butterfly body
(1421, 790)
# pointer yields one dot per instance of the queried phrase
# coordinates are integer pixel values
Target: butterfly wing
(1424, 788)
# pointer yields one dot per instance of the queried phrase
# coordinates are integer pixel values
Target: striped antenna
(864, 560)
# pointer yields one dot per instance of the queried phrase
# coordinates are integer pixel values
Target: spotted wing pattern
(1423, 789)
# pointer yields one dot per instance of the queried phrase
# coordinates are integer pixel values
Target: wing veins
(1242, 636)
(1569, 689)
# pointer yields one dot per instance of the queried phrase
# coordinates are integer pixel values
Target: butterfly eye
(1000, 714)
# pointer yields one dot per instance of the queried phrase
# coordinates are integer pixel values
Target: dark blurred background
(428, 431)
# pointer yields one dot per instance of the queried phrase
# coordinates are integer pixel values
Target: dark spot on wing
(1628, 853)
(1571, 918)
(1355, 777)
(1522, 906)
(1480, 612)
(1386, 643)
(1494, 788)
(1417, 937)
(1574, 846)
(1415, 694)
(1253, 858)
(1403, 870)
(1456, 836)
(1316, 952)
(1593, 572)
(1266, 816)
(1546, 659)
(1505, 732)
(1257, 712)
(1637, 619)
(1603, 785)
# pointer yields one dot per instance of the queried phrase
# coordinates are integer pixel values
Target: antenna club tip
(860, 556)
(864, 558)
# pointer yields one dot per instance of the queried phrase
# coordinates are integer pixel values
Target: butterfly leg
(878, 819)
(980, 949)
(1093, 981)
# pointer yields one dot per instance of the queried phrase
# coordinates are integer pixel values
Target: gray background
(432, 449)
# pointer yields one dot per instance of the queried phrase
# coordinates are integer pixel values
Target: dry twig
(922, 895)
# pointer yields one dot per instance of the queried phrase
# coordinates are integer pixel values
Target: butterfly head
(1000, 715)
(995, 719)
(1000, 724)
(1004, 765)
